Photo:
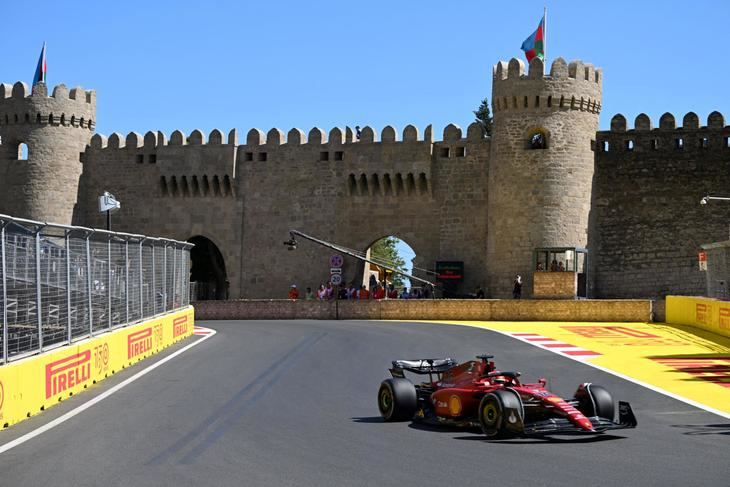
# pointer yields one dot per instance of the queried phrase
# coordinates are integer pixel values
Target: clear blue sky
(186, 65)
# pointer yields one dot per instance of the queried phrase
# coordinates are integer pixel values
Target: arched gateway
(208, 271)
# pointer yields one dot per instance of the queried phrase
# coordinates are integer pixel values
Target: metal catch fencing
(60, 284)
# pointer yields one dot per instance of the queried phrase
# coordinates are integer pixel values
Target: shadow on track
(704, 429)
(544, 440)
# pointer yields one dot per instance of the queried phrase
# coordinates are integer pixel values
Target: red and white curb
(201, 330)
(556, 346)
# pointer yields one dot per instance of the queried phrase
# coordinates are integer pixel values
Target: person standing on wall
(517, 289)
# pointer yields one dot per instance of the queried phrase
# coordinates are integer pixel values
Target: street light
(706, 199)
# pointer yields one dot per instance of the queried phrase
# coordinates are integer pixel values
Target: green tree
(484, 116)
(385, 250)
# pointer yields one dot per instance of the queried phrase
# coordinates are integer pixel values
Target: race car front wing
(562, 426)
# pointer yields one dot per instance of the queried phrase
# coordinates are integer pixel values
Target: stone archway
(208, 270)
(373, 274)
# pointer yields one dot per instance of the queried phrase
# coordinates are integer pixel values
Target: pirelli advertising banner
(710, 314)
(30, 385)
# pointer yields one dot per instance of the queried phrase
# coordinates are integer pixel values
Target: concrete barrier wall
(629, 310)
(706, 313)
(30, 385)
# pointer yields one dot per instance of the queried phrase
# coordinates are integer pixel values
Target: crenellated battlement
(667, 136)
(294, 137)
(71, 108)
(574, 86)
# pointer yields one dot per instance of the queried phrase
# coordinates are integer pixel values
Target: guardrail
(60, 284)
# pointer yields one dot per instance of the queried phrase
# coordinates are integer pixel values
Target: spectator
(561, 267)
(392, 292)
(352, 291)
(379, 292)
(310, 295)
(372, 282)
(364, 293)
(357, 132)
(329, 292)
(404, 294)
(517, 289)
(554, 265)
(321, 292)
(293, 292)
(343, 293)
(480, 293)
(539, 267)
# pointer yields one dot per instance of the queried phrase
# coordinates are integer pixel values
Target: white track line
(624, 377)
(61, 419)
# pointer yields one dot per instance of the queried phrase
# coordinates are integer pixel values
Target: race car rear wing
(422, 366)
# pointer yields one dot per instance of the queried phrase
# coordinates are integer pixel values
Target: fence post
(174, 282)
(38, 301)
(164, 279)
(5, 294)
(154, 289)
(88, 282)
(109, 280)
(68, 286)
(126, 280)
(141, 282)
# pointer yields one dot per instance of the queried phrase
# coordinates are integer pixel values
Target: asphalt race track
(294, 404)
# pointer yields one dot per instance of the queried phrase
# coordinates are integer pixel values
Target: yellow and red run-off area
(686, 362)
(30, 385)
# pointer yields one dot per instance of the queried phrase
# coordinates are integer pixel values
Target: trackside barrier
(600, 310)
(33, 384)
(60, 284)
(706, 313)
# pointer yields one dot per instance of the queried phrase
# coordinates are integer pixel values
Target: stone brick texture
(554, 285)
(647, 223)
(439, 309)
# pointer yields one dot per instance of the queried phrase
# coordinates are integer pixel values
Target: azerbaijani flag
(535, 44)
(40, 71)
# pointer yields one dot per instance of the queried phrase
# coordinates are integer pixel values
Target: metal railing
(59, 284)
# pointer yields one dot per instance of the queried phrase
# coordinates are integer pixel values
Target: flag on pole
(534, 46)
(40, 70)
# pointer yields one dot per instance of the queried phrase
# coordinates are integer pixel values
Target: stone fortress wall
(486, 201)
(246, 198)
(647, 224)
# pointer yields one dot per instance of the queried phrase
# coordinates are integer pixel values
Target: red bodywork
(457, 395)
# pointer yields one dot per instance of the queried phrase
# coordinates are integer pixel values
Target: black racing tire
(397, 399)
(501, 414)
(594, 400)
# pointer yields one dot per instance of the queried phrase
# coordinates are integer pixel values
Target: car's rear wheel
(594, 400)
(397, 400)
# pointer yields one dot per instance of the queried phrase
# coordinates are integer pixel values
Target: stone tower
(541, 165)
(55, 130)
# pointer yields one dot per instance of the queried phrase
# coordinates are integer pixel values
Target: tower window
(605, 146)
(140, 158)
(153, 158)
(22, 152)
(655, 144)
(629, 145)
(460, 151)
(262, 156)
(324, 156)
(537, 140)
(339, 155)
(249, 156)
(679, 143)
(704, 142)
(444, 152)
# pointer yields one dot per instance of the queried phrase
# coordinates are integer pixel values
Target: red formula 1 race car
(475, 394)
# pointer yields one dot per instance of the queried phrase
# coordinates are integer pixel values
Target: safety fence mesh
(59, 283)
